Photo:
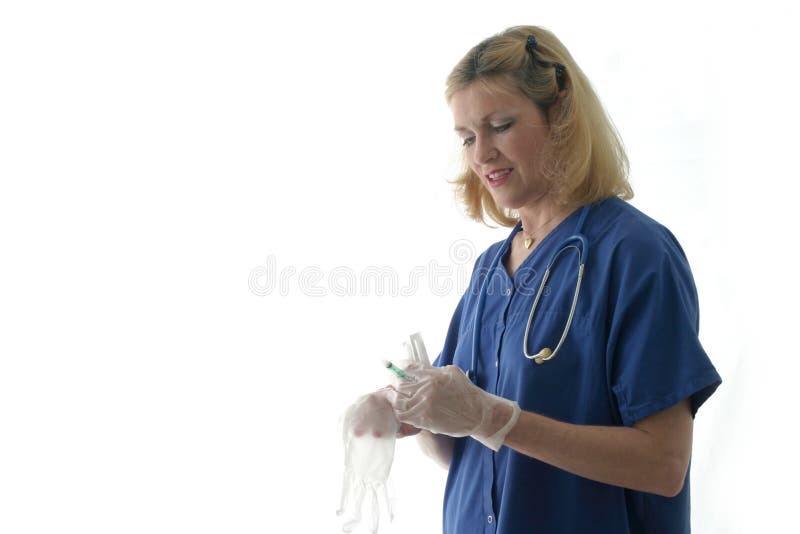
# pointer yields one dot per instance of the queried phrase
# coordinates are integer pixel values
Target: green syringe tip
(396, 370)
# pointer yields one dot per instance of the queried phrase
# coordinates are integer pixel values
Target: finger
(407, 430)
(413, 389)
(420, 394)
(409, 410)
(414, 367)
(408, 391)
(344, 500)
(404, 393)
(420, 372)
(375, 512)
(356, 519)
(408, 388)
(386, 501)
(415, 415)
(399, 402)
(405, 399)
(392, 396)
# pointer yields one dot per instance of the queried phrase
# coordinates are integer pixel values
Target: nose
(484, 150)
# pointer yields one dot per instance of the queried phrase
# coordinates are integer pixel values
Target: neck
(540, 217)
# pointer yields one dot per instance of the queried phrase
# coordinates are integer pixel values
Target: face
(502, 133)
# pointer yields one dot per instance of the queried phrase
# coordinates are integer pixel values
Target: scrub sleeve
(654, 357)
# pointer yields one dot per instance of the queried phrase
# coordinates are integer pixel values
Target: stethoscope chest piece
(542, 356)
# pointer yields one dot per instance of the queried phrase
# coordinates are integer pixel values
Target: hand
(444, 401)
(417, 353)
(368, 433)
(372, 414)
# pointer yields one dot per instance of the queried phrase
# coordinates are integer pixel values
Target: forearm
(622, 456)
(438, 447)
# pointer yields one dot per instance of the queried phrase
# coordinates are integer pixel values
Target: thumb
(406, 430)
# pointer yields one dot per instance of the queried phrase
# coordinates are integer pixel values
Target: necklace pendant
(528, 242)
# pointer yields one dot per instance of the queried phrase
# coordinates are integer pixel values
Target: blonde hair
(584, 159)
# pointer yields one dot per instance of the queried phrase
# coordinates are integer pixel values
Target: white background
(154, 155)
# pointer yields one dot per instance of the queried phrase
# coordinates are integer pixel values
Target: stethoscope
(577, 241)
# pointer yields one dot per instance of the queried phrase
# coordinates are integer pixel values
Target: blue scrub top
(632, 351)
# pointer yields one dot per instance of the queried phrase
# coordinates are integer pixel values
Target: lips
(498, 177)
(497, 173)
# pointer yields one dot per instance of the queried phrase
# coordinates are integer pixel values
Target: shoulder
(638, 259)
(624, 234)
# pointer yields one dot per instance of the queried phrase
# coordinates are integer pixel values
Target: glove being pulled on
(369, 433)
(443, 400)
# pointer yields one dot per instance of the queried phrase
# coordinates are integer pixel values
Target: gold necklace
(530, 237)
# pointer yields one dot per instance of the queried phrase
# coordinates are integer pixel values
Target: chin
(517, 202)
(509, 203)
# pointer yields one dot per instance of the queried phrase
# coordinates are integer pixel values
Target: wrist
(499, 417)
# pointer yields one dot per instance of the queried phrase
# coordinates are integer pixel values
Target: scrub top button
(489, 519)
(508, 291)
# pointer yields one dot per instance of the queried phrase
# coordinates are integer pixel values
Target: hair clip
(531, 44)
(560, 70)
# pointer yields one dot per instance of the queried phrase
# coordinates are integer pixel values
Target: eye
(467, 141)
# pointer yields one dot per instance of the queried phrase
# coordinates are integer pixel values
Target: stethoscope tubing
(570, 242)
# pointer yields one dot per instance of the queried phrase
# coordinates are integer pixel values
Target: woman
(595, 434)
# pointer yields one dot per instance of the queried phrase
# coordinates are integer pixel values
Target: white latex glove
(368, 432)
(443, 400)
(415, 353)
